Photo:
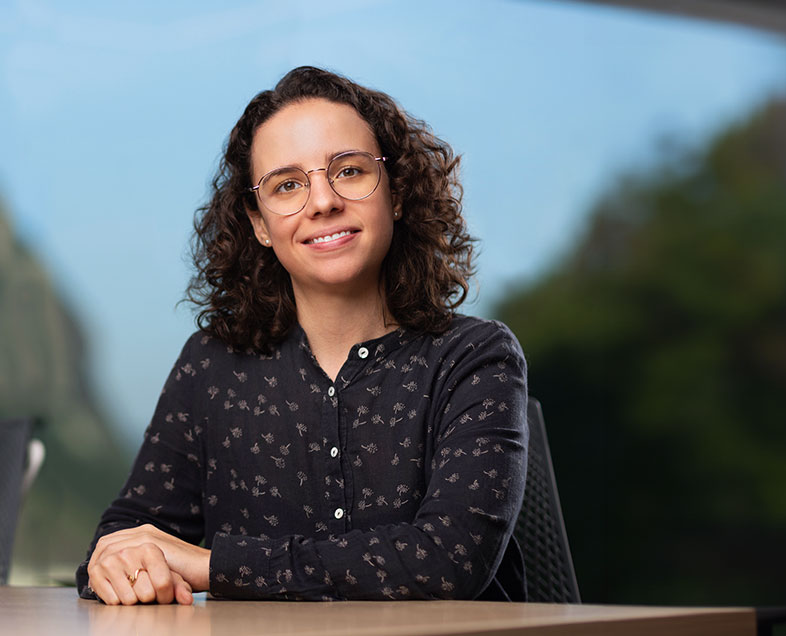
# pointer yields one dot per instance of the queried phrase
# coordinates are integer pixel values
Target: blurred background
(625, 170)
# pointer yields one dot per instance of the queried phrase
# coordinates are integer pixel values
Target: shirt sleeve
(165, 486)
(452, 548)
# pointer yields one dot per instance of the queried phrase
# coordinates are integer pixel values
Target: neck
(334, 323)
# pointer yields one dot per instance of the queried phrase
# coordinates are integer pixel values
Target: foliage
(43, 375)
(658, 349)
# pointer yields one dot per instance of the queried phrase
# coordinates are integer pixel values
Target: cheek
(280, 228)
(385, 231)
(284, 255)
(281, 233)
(281, 243)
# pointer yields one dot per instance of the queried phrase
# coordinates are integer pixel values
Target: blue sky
(114, 115)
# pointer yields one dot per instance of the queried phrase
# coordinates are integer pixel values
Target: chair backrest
(14, 436)
(769, 618)
(540, 528)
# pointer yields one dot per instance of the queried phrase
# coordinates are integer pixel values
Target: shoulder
(201, 347)
(463, 324)
(206, 363)
(204, 355)
(203, 343)
(470, 347)
(481, 333)
(482, 362)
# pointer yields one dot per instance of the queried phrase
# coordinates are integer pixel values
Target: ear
(397, 206)
(260, 229)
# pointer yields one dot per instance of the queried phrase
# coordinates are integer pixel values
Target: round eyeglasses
(352, 175)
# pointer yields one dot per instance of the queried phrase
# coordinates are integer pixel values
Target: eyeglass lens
(352, 176)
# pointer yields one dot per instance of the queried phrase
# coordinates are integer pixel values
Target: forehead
(308, 134)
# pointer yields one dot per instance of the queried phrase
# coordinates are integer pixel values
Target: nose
(322, 198)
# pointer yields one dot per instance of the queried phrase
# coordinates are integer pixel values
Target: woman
(334, 430)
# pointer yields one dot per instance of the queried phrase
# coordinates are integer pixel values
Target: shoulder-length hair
(243, 292)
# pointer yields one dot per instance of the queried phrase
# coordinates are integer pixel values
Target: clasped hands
(146, 565)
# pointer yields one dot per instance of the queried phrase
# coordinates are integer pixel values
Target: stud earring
(267, 241)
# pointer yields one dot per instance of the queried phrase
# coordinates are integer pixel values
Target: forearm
(450, 550)
(396, 562)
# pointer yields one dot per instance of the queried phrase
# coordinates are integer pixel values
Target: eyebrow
(329, 158)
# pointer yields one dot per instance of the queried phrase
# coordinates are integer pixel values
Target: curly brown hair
(244, 292)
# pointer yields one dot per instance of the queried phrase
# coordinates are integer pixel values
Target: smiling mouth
(329, 237)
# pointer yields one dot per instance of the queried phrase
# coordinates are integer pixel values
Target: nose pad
(322, 197)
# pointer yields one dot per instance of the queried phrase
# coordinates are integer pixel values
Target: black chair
(540, 528)
(20, 460)
(768, 618)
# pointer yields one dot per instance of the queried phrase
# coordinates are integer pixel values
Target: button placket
(335, 492)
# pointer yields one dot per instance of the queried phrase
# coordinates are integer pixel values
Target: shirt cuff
(286, 568)
(239, 566)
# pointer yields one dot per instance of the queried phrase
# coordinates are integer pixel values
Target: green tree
(658, 349)
(43, 375)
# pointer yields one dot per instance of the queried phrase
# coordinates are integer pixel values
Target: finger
(116, 569)
(108, 579)
(113, 591)
(183, 592)
(143, 587)
(160, 578)
(155, 580)
(104, 591)
(125, 592)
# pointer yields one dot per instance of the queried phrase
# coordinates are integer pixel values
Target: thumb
(183, 590)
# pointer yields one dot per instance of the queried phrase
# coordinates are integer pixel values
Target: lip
(329, 231)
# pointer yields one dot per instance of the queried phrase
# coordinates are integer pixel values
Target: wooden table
(52, 610)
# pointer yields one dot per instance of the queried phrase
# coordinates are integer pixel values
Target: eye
(348, 171)
(284, 183)
(287, 187)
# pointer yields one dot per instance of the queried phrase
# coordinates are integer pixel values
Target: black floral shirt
(400, 480)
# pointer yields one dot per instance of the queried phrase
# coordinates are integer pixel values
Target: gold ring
(133, 577)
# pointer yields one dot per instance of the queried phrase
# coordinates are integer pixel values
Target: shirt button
(334, 452)
(332, 391)
(363, 353)
(338, 513)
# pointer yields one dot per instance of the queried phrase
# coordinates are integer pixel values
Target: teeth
(332, 237)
